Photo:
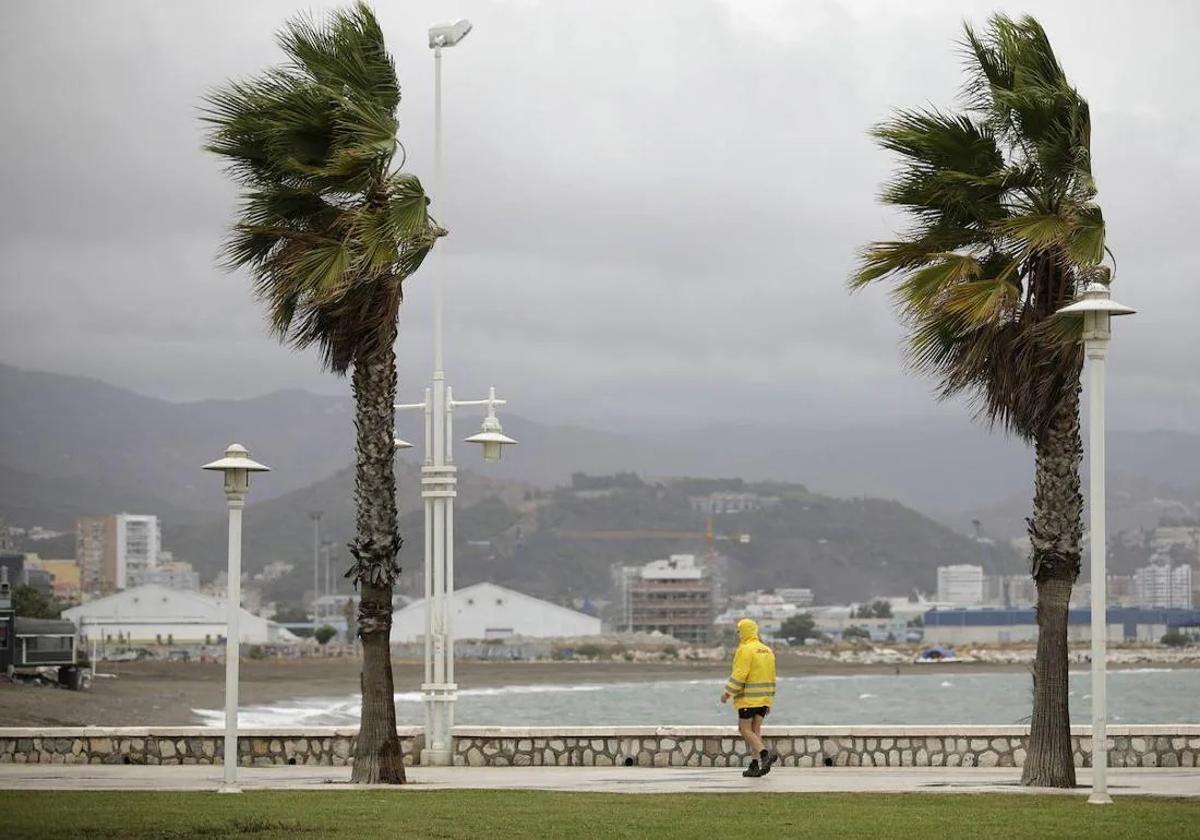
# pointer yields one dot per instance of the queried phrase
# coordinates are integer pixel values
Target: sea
(1138, 695)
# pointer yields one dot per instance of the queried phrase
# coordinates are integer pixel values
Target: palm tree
(329, 230)
(1004, 228)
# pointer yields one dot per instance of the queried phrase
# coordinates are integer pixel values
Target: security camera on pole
(438, 475)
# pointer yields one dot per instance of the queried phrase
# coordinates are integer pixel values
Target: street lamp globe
(1096, 306)
(448, 34)
(237, 467)
(492, 438)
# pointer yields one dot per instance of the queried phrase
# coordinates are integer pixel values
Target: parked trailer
(31, 646)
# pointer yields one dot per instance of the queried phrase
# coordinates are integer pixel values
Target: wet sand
(164, 693)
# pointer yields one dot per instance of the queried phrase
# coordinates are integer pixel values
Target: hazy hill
(280, 528)
(90, 447)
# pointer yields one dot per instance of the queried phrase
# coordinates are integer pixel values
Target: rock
(1188, 759)
(1139, 744)
(906, 758)
(887, 743)
(522, 760)
(989, 758)
(937, 759)
(1150, 760)
(1169, 760)
(968, 760)
(342, 748)
(922, 758)
(805, 761)
(166, 748)
(475, 757)
(601, 761)
(812, 745)
(1000, 745)
(1019, 757)
(893, 758)
(953, 760)
(524, 745)
(100, 746)
(1178, 743)
(880, 759)
(557, 745)
(661, 759)
(978, 744)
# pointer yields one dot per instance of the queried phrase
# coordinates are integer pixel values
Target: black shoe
(768, 762)
(752, 772)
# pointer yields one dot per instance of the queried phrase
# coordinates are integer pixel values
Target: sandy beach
(164, 693)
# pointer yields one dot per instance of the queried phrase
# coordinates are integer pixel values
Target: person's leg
(749, 734)
(766, 758)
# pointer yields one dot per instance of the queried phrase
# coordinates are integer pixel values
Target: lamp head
(448, 34)
(492, 438)
(237, 467)
(1096, 306)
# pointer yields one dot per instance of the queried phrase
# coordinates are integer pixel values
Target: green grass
(492, 815)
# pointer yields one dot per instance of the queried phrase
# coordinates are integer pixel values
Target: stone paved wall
(811, 747)
(185, 745)
(696, 746)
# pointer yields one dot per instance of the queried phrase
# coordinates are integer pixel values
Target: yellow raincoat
(752, 681)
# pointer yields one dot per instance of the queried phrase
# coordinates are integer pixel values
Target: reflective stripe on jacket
(752, 680)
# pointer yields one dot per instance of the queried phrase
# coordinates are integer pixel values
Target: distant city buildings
(769, 611)
(1163, 585)
(724, 502)
(675, 597)
(169, 573)
(989, 625)
(115, 552)
(799, 596)
(960, 585)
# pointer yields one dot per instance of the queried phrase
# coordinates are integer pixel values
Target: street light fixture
(439, 475)
(1096, 307)
(237, 466)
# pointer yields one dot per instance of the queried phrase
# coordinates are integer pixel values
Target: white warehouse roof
(146, 613)
(488, 611)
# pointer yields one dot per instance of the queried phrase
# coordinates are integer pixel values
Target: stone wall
(187, 745)
(635, 746)
(820, 746)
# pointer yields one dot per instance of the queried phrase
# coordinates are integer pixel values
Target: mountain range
(71, 446)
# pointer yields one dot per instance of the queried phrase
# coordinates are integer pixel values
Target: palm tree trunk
(377, 757)
(1055, 532)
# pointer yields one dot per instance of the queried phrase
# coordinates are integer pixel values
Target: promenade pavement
(634, 780)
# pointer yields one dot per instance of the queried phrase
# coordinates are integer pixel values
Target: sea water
(1142, 695)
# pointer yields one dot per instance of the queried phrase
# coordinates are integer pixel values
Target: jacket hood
(747, 630)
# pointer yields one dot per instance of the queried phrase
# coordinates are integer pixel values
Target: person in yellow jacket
(752, 686)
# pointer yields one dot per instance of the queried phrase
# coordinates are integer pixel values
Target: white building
(768, 611)
(799, 596)
(960, 585)
(139, 540)
(155, 614)
(1161, 585)
(488, 611)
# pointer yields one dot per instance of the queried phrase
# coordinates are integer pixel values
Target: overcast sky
(653, 206)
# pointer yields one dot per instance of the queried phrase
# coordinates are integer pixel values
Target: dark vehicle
(33, 646)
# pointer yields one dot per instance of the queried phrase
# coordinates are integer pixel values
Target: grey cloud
(653, 206)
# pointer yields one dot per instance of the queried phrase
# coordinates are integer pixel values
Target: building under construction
(674, 597)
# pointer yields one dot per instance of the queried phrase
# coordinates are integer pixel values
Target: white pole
(232, 642)
(1096, 348)
(316, 518)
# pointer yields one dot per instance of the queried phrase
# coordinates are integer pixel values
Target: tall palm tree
(329, 229)
(1004, 228)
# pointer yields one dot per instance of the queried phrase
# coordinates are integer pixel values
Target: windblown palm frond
(1003, 224)
(327, 228)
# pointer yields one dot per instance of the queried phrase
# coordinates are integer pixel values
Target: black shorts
(753, 712)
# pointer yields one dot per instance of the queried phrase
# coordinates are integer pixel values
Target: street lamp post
(1097, 307)
(316, 563)
(439, 477)
(237, 466)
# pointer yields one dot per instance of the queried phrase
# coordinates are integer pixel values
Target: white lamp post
(1097, 307)
(237, 467)
(439, 477)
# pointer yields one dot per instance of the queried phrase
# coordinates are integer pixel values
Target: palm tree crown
(327, 227)
(1004, 226)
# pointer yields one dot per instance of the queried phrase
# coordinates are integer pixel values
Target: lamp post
(237, 466)
(439, 477)
(315, 516)
(1097, 307)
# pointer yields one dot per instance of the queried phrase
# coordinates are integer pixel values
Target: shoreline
(164, 693)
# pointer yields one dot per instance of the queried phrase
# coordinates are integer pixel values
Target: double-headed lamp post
(1097, 307)
(237, 467)
(439, 475)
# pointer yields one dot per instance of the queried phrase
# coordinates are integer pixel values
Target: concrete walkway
(1122, 782)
